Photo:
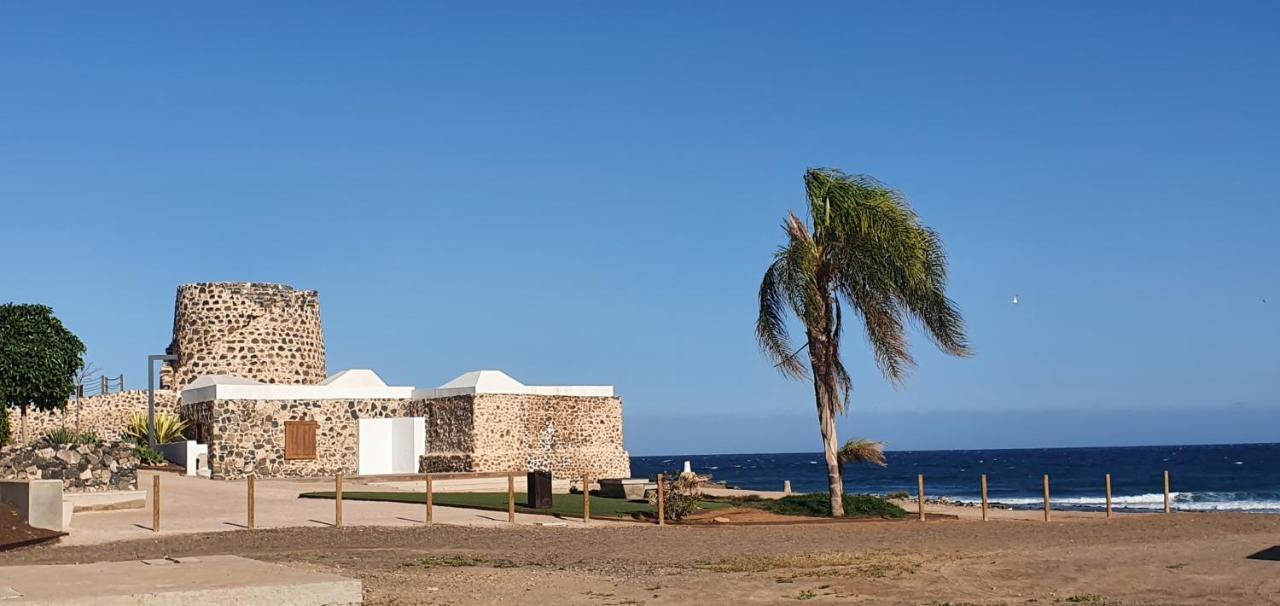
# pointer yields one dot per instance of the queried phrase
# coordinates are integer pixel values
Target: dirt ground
(15, 532)
(1178, 559)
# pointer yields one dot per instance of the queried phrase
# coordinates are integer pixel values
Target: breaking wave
(1180, 501)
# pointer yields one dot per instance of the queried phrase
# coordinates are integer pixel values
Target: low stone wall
(570, 436)
(105, 415)
(81, 467)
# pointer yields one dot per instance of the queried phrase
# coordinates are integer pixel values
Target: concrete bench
(39, 502)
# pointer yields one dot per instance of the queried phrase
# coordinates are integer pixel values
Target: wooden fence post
(337, 500)
(1108, 495)
(984, 497)
(920, 495)
(155, 503)
(662, 500)
(586, 500)
(1168, 508)
(252, 522)
(429, 498)
(511, 497)
(1046, 497)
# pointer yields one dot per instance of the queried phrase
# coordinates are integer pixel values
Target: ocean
(1229, 477)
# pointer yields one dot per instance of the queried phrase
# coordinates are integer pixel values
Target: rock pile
(81, 467)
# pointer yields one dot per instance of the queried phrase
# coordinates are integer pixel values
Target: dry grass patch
(832, 564)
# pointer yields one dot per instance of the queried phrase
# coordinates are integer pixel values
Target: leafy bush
(66, 435)
(819, 505)
(681, 496)
(169, 428)
(149, 456)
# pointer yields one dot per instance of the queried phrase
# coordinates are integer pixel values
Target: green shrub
(680, 497)
(819, 505)
(66, 435)
(169, 428)
(149, 456)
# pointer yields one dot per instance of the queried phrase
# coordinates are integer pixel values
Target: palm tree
(866, 250)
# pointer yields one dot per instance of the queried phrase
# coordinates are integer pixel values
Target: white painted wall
(392, 445)
(184, 454)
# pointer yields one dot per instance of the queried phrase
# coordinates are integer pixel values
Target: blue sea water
(1229, 477)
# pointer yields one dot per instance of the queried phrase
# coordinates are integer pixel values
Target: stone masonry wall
(247, 436)
(104, 415)
(81, 467)
(268, 332)
(568, 435)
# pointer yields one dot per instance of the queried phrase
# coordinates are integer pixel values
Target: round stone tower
(267, 332)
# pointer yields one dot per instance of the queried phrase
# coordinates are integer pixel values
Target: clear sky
(589, 193)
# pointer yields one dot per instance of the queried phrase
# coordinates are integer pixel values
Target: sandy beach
(1132, 559)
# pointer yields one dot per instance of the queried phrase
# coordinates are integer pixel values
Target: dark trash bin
(539, 489)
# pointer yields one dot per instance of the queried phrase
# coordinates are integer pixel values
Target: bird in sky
(1015, 300)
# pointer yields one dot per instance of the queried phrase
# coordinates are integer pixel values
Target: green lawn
(568, 505)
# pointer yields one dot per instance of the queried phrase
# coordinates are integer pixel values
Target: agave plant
(169, 428)
(67, 435)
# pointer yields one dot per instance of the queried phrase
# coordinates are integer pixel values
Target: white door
(391, 445)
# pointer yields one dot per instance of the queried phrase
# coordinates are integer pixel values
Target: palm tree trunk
(822, 378)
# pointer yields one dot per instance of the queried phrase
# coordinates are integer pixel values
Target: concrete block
(631, 489)
(39, 502)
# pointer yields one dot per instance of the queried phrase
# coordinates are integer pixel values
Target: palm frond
(771, 326)
(865, 248)
(888, 266)
(862, 450)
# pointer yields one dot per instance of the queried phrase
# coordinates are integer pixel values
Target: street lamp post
(151, 394)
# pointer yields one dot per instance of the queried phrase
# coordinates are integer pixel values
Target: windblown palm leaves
(862, 450)
(865, 249)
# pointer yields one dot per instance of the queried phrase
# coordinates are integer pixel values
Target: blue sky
(582, 193)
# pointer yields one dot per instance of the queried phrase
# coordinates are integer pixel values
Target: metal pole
(151, 394)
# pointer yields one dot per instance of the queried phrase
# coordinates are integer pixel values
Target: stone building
(250, 379)
(356, 424)
(266, 332)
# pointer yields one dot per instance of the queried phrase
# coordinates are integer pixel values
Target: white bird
(1015, 299)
